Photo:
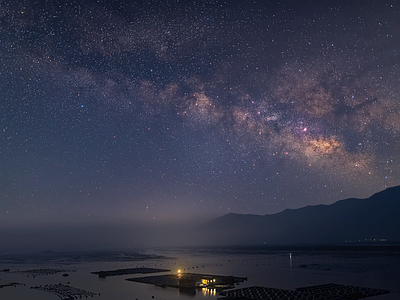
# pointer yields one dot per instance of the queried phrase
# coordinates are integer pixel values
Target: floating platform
(118, 272)
(190, 280)
(330, 291)
(14, 284)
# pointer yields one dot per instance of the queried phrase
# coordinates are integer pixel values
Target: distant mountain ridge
(351, 220)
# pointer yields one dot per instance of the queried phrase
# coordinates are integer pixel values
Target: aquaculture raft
(320, 292)
(64, 292)
(119, 272)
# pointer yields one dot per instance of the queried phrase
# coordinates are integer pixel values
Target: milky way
(158, 110)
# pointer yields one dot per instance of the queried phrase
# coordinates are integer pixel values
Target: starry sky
(169, 110)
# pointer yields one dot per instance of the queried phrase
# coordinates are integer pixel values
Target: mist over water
(100, 236)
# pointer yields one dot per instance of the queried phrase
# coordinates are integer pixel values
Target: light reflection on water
(267, 268)
(209, 292)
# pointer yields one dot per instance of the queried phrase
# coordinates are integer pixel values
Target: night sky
(180, 110)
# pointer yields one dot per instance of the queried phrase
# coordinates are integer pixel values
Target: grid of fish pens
(320, 292)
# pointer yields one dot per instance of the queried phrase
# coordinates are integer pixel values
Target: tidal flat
(29, 276)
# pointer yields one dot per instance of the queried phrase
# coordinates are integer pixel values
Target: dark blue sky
(166, 110)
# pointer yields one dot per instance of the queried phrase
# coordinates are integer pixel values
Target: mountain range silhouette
(375, 219)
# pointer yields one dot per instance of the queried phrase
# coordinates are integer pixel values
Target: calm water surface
(262, 268)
